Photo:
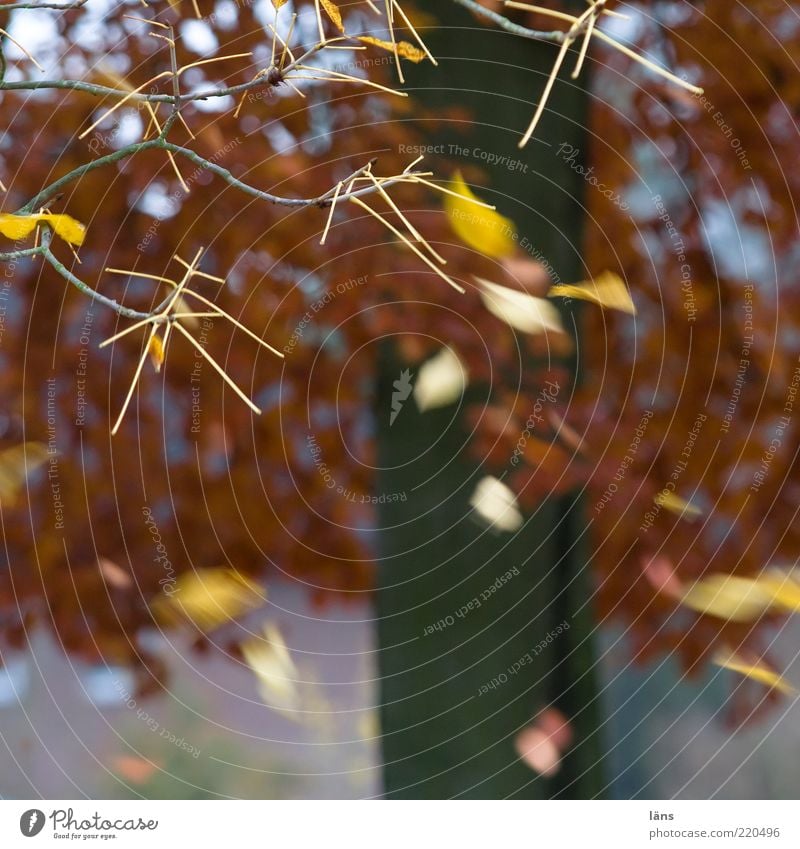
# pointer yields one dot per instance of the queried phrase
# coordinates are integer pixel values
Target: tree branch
(62, 7)
(322, 201)
(13, 256)
(59, 266)
(556, 36)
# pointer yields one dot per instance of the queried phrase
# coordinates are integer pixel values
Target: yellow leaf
(68, 228)
(16, 464)
(208, 598)
(675, 504)
(758, 671)
(496, 504)
(20, 226)
(332, 11)
(278, 3)
(404, 49)
(17, 226)
(410, 52)
(277, 675)
(108, 76)
(729, 597)
(744, 599)
(483, 229)
(522, 311)
(156, 351)
(608, 290)
(441, 381)
(784, 588)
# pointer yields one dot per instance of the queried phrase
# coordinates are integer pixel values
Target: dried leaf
(757, 671)
(522, 311)
(156, 351)
(278, 3)
(404, 49)
(274, 668)
(607, 290)
(675, 504)
(660, 572)
(16, 464)
(483, 229)
(728, 597)
(536, 749)
(542, 743)
(208, 598)
(114, 574)
(494, 502)
(333, 12)
(441, 381)
(744, 599)
(784, 588)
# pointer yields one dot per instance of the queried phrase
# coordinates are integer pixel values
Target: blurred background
(68, 731)
(213, 604)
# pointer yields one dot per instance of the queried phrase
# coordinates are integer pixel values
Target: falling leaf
(728, 597)
(494, 502)
(538, 751)
(333, 12)
(660, 572)
(483, 229)
(530, 274)
(108, 76)
(568, 435)
(132, 768)
(607, 290)
(114, 574)
(542, 744)
(404, 49)
(19, 226)
(522, 311)
(553, 722)
(208, 598)
(744, 599)
(277, 675)
(16, 465)
(441, 380)
(675, 504)
(156, 351)
(757, 671)
(784, 588)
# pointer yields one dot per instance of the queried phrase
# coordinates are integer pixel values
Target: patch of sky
(740, 250)
(272, 396)
(198, 37)
(156, 201)
(225, 15)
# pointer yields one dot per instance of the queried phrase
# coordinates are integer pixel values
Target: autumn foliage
(686, 456)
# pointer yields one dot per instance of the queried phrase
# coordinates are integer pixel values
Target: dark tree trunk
(441, 739)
